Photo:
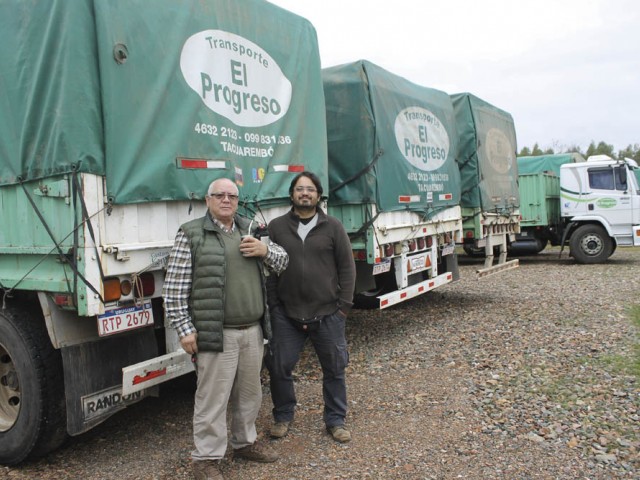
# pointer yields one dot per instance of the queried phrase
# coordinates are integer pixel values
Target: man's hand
(189, 344)
(253, 247)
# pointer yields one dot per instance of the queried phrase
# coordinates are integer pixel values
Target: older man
(215, 297)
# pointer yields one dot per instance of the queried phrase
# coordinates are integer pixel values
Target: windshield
(636, 175)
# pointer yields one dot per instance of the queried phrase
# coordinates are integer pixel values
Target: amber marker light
(125, 287)
(111, 288)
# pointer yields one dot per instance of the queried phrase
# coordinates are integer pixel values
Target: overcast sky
(567, 70)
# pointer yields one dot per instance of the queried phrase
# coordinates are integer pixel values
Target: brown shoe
(256, 452)
(340, 433)
(279, 429)
(206, 470)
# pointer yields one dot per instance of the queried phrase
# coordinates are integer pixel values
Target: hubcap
(9, 391)
(591, 244)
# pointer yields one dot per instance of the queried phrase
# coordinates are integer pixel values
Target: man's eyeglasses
(220, 196)
(305, 189)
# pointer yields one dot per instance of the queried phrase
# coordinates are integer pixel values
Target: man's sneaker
(256, 452)
(339, 433)
(206, 470)
(279, 429)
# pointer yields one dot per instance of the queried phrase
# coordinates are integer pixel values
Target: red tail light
(360, 255)
(144, 285)
(63, 300)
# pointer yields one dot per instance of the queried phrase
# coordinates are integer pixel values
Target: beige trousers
(231, 377)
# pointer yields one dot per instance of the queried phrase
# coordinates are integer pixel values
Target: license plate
(382, 267)
(448, 249)
(126, 318)
(418, 263)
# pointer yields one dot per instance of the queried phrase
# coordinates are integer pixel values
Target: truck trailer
(114, 118)
(591, 206)
(490, 199)
(393, 181)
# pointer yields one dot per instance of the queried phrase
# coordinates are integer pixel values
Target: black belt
(244, 327)
(308, 325)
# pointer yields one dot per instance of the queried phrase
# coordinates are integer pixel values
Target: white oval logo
(421, 138)
(499, 150)
(235, 78)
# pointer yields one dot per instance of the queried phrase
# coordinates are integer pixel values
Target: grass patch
(628, 364)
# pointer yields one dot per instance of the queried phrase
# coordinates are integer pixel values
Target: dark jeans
(329, 341)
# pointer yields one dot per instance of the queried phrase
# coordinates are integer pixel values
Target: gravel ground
(523, 375)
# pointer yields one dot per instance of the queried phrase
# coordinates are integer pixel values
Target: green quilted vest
(207, 289)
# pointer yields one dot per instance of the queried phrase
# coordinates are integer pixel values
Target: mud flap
(93, 377)
(451, 265)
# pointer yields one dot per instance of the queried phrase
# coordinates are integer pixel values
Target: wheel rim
(591, 244)
(10, 396)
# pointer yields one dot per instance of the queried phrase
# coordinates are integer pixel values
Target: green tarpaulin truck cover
(391, 142)
(546, 163)
(160, 96)
(487, 155)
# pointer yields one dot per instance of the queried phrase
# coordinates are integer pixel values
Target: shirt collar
(220, 225)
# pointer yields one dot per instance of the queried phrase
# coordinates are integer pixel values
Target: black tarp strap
(63, 257)
(86, 218)
(367, 167)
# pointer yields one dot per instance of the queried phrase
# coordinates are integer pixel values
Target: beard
(305, 205)
(305, 208)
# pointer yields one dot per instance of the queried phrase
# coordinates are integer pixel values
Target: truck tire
(32, 403)
(368, 300)
(590, 244)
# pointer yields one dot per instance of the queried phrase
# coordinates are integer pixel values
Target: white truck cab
(600, 205)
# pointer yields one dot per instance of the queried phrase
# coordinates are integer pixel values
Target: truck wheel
(590, 244)
(385, 282)
(32, 403)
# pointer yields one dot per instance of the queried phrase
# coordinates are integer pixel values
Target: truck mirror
(623, 175)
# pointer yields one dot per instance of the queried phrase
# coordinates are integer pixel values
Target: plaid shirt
(177, 284)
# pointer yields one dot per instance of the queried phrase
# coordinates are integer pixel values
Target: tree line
(601, 148)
